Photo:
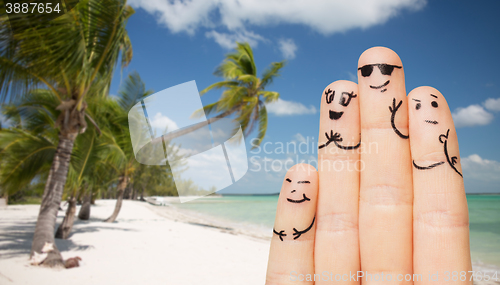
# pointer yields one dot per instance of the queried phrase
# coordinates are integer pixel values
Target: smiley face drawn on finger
(381, 82)
(344, 100)
(304, 197)
(385, 69)
(296, 200)
(434, 104)
(431, 105)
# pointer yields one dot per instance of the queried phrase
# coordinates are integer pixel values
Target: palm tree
(88, 151)
(121, 156)
(74, 57)
(30, 143)
(244, 94)
(241, 97)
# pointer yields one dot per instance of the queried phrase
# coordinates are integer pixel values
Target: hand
(395, 206)
(395, 108)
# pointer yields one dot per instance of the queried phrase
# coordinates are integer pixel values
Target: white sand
(146, 245)
(141, 247)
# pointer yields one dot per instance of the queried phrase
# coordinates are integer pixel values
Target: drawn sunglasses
(385, 69)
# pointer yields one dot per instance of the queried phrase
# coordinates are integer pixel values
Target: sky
(450, 45)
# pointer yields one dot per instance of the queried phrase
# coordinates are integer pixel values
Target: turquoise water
(484, 218)
(484, 215)
(253, 210)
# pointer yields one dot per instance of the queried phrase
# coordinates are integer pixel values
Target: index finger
(337, 246)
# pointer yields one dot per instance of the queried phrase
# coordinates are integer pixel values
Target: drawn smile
(335, 115)
(431, 122)
(381, 86)
(427, 167)
(299, 201)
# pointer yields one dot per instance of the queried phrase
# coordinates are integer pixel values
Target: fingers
(337, 245)
(441, 223)
(292, 245)
(385, 207)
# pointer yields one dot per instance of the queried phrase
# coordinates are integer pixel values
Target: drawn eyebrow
(300, 182)
(416, 100)
(434, 96)
(288, 179)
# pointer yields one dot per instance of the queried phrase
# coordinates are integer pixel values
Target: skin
(385, 192)
(440, 214)
(297, 252)
(337, 244)
(397, 215)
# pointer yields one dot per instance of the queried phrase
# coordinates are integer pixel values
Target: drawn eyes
(385, 69)
(419, 105)
(299, 182)
(329, 96)
(345, 97)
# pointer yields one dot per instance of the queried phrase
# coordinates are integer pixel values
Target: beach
(141, 247)
(172, 244)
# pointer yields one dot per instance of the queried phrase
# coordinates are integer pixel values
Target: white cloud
(492, 104)
(473, 115)
(228, 40)
(324, 16)
(288, 108)
(161, 122)
(478, 168)
(288, 48)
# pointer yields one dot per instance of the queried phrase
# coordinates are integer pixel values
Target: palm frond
(271, 72)
(269, 96)
(132, 91)
(84, 43)
(28, 157)
(218, 85)
(262, 125)
(207, 110)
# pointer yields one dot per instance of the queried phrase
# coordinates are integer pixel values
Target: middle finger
(385, 207)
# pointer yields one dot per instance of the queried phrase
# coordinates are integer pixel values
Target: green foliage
(244, 93)
(98, 160)
(28, 146)
(154, 180)
(68, 54)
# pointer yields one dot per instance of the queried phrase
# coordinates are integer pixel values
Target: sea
(258, 212)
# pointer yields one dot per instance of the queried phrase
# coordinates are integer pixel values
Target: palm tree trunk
(134, 194)
(121, 188)
(45, 225)
(67, 224)
(142, 194)
(84, 213)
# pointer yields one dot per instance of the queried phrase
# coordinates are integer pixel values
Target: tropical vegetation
(67, 139)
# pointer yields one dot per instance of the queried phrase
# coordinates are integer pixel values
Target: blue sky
(450, 45)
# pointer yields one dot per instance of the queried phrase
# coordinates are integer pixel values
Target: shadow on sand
(16, 239)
